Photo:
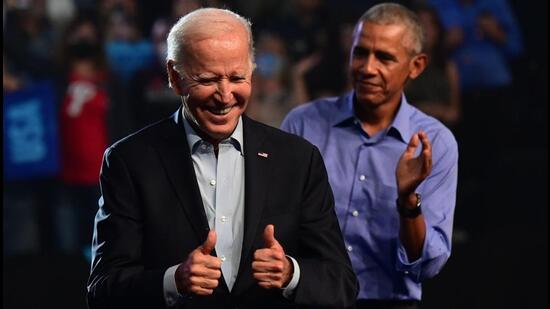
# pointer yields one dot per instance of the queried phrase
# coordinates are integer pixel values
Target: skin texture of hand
(271, 267)
(200, 273)
(411, 171)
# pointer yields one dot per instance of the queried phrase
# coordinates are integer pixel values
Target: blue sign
(31, 137)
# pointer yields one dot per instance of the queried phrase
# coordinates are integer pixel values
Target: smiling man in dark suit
(210, 209)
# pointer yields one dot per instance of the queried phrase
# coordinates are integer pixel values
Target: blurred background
(81, 74)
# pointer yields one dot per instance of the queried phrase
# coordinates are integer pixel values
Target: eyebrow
(385, 54)
(378, 53)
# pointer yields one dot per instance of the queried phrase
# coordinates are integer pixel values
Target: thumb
(209, 243)
(269, 236)
(413, 144)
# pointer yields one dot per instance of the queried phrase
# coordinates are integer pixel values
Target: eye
(385, 57)
(237, 79)
(206, 81)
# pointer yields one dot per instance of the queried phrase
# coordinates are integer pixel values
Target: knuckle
(194, 280)
(257, 254)
(193, 257)
(194, 268)
(279, 255)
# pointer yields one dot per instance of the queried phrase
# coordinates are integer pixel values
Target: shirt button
(350, 248)
(355, 213)
(406, 272)
(212, 182)
(362, 177)
(223, 218)
(203, 146)
(222, 258)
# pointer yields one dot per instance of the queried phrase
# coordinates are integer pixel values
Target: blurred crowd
(80, 74)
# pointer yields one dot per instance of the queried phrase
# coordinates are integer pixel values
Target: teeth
(222, 111)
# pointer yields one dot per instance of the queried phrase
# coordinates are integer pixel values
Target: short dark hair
(393, 13)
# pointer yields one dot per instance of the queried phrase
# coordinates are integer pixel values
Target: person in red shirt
(84, 137)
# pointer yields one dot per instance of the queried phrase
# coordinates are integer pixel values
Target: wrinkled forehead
(205, 28)
(222, 36)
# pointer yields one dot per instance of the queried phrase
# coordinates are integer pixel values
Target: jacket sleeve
(327, 278)
(118, 278)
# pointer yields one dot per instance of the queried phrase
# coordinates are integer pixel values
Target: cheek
(396, 78)
(199, 96)
(201, 92)
(242, 92)
(354, 66)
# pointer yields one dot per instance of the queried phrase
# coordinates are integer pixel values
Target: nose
(368, 67)
(225, 91)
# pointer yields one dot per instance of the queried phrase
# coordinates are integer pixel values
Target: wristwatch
(406, 212)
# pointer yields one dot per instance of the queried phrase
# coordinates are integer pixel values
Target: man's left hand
(411, 171)
(271, 267)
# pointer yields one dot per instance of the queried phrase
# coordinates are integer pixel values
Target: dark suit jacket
(151, 217)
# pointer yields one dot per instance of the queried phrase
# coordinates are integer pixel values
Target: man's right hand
(200, 273)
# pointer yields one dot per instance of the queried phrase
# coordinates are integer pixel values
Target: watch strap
(406, 212)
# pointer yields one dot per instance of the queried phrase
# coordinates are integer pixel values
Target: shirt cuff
(413, 269)
(171, 295)
(289, 289)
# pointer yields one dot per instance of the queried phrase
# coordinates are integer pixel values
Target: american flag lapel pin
(263, 154)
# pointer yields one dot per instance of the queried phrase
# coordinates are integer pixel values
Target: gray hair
(203, 22)
(393, 13)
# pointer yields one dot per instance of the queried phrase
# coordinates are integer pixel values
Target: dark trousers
(386, 304)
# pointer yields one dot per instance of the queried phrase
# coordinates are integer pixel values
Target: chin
(366, 97)
(220, 132)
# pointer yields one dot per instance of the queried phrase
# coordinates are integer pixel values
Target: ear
(175, 79)
(417, 65)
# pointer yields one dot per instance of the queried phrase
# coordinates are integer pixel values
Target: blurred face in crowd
(217, 79)
(431, 27)
(380, 63)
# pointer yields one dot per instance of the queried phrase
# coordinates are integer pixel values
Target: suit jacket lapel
(176, 158)
(256, 182)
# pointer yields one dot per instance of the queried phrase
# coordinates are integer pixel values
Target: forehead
(380, 36)
(222, 53)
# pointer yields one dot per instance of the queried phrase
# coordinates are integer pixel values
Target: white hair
(203, 22)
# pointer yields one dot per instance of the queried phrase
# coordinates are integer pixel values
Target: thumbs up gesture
(271, 267)
(200, 273)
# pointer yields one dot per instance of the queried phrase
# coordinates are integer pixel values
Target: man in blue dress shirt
(392, 168)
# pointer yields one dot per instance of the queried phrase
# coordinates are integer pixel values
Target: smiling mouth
(220, 111)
